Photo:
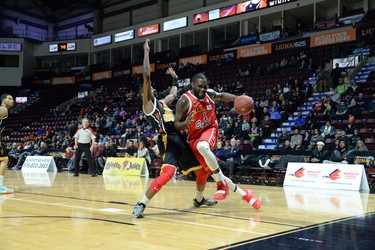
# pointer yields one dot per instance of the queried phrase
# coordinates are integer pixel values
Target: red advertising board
(148, 30)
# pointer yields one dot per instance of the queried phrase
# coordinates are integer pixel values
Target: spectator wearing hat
(319, 154)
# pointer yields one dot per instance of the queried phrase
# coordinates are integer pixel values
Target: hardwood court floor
(65, 212)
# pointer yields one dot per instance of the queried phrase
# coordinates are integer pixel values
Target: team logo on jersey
(209, 107)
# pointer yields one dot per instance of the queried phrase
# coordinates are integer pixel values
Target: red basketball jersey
(204, 117)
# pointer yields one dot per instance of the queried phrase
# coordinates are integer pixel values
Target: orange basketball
(3, 112)
(243, 104)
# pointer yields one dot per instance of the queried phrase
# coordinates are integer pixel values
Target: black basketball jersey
(161, 118)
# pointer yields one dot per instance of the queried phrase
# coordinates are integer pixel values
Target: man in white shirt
(84, 140)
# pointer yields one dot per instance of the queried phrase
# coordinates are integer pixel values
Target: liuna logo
(334, 175)
(299, 173)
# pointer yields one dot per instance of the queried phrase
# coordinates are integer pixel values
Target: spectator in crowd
(96, 152)
(266, 125)
(319, 154)
(342, 155)
(329, 113)
(255, 134)
(354, 139)
(354, 109)
(296, 136)
(362, 102)
(283, 137)
(361, 146)
(298, 146)
(299, 122)
(143, 152)
(13, 154)
(65, 159)
(314, 138)
(336, 74)
(350, 127)
(327, 130)
(131, 150)
(318, 106)
(341, 111)
(342, 88)
(275, 116)
(108, 151)
(233, 156)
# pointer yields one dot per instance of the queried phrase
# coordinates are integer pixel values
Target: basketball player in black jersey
(172, 145)
(6, 102)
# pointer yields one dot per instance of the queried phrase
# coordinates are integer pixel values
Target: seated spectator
(318, 106)
(341, 111)
(266, 125)
(361, 146)
(298, 146)
(233, 155)
(66, 158)
(131, 151)
(329, 113)
(254, 134)
(354, 139)
(342, 155)
(350, 127)
(143, 152)
(314, 138)
(319, 154)
(299, 122)
(354, 109)
(362, 102)
(275, 116)
(328, 131)
(296, 136)
(342, 88)
(13, 154)
(96, 151)
(282, 138)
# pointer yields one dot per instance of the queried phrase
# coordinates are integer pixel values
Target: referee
(84, 139)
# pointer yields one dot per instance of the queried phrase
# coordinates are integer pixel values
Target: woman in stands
(361, 146)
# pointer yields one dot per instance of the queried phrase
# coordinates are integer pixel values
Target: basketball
(243, 104)
(3, 112)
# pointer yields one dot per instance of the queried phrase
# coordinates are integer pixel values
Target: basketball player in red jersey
(195, 112)
(172, 145)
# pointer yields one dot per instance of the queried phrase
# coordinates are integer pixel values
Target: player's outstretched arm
(147, 92)
(173, 92)
(223, 96)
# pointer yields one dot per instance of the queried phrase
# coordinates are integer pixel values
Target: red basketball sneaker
(250, 198)
(222, 191)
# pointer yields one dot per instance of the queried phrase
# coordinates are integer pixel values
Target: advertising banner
(328, 176)
(256, 50)
(39, 164)
(224, 57)
(291, 45)
(269, 36)
(125, 166)
(102, 75)
(196, 60)
(63, 80)
(334, 37)
(148, 30)
(137, 70)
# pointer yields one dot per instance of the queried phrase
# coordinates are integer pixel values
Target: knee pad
(203, 147)
(165, 175)
(202, 176)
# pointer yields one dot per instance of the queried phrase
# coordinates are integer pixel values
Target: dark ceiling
(57, 10)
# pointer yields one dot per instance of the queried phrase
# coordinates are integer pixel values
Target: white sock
(218, 176)
(1, 180)
(210, 159)
(199, 196)
(234, 187)
(144, 200)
